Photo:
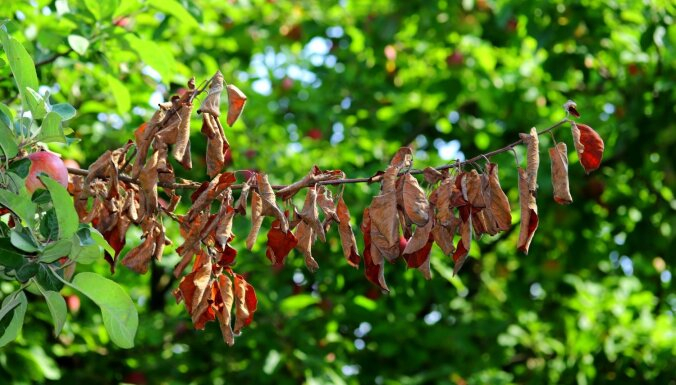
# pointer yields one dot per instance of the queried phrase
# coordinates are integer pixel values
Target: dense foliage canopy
(343, 85)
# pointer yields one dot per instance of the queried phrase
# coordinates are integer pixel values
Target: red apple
(73, 303)
(44, 162)
(314, 133)
(287, 83)
(456, 59)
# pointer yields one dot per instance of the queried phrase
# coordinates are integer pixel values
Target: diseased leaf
(310, 214)
(499, 213)
(194, 289)
(236, 102)
(415, 202)
(224, 300)
(304, 234)
(268, 200)
(245, 303)
(462, 250)
(529, 213)
(559, 158)
(417, 250)
(256, 219)
(589, 146)
(212, 102)
(347, 238)
(280, 243)
(533, 157)
(374, 268)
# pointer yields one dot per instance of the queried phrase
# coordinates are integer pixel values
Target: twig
(192, 185)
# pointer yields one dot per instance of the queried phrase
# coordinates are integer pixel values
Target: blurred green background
(343, 85)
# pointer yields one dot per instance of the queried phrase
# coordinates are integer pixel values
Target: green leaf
(101, 241)
(46, 278)
(21, 64)
(56, 250)
(7, 140)
(65, 110)
(120, 93)
(22, 240)
(38, 105)
(41, 196)
(102, 9)
(19, 204)
(27, 271)
(51, 130)
(175, 9)
(10, 256)
(160, 59)
(119, 314)
(84, 253)
(11, 317)
(57, 307)
(49, 224)
(63, 205)
(78, 43)
(294, 304)
(21, 167)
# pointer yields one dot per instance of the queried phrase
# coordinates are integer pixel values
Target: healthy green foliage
(119, 314)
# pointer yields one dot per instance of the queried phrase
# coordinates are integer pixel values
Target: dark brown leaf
(559, 158)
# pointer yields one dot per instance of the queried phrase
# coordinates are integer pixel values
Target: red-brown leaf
(236, 102)
(245, 302)
(280, 243)
(589, 146)
(374, 271)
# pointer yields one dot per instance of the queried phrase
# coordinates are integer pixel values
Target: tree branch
(192, 185)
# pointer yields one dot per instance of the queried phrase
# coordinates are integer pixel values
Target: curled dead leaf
(589, 146)
(245, 303)
(347, 238)
(533, 157)
(559, 158)
(529, 213)
(212, 102)
(225, 300)
(374, 267)
(236, 102)
(256, 219)
(415, 202)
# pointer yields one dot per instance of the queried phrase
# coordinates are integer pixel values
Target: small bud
(571, 108)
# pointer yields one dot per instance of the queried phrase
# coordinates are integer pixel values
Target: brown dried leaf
(472, 189)
(212, 102)
(403, 158)
(462, 250)
(194, 289)
(240, 205)
(533, 158)
(181, 149)
(374, 267)
(245, 303)
(559, 158)
(432, 175)
(236, 102)
(139, 257)
(256, 219)
(270, 207)
(346, 234)
(497, 200)
(148, 183)
(325, 202)
(225, 299)
(224, 228)
(417, 250)
(443, 236)
(310, 214)
(415, 202)
(385, 225)
(304, 234)
(571, 107)
(217, 145)
(529, 213)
